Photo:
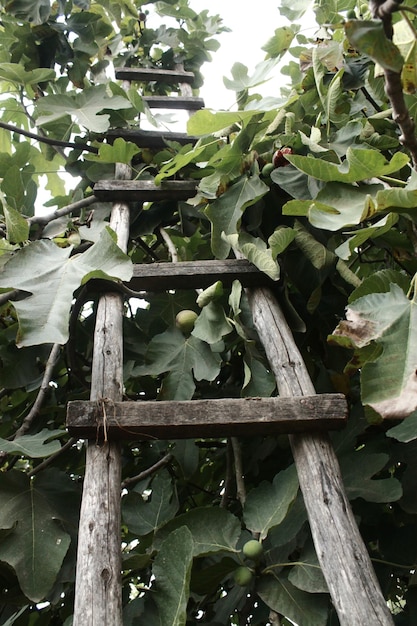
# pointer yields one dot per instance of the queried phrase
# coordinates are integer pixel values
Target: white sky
(252, 25)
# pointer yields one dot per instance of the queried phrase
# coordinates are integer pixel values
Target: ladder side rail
(98, 588)
(342, 554)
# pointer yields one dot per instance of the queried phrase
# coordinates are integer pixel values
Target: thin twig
(52, 458)
(170, 245)
(54, 215)
(228, 480)
(48, 140)
(129, 482)
(47, 376)
(240, 482)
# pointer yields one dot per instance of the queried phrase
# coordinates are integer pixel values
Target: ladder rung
(154, 139)
(205, 418)
(195, 275)
(144, 190)
(174, 102)
(151, 74)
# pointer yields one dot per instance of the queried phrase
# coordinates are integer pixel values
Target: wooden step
(144, 190)
(186, 275)
(145, 74)
(195, 275)
(192, 419)
(187, 103)
(153, 139)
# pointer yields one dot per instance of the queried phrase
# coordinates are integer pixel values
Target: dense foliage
(316, 189)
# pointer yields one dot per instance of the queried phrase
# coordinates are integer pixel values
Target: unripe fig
(279, 159)
(267, 169)
(253, 549)
(185, 321)
(243, 576)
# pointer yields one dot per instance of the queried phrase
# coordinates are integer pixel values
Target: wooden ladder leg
(343, 557)
(98, 589)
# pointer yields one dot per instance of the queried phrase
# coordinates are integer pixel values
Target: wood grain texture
(340, 549)
(144, 74)
(98, 588)
(195, 274)
(144, 190)
(205, 418)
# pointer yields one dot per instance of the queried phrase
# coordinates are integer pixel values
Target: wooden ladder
(105, 419)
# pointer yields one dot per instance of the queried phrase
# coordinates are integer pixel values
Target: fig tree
(185, 321)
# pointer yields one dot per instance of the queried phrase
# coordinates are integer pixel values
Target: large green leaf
(34, 446)
(17, 226)
(280, 42)
(360, 164)
(301, 607)
(257, 252)
(336, 206)
(212, 324)
(184, 358)
(225, 212)
(213, 530)
(37, 546)
(51, 276)
(306, 574)
(206, 122)
(87, 108)
(120, 151)
(369, 38)
(33, 11)
(389, 384)
(267, 505)
(406, 431)
(16, 73)
(358, 469)
(143, 516)
(241, 79)
(172, 571)
(359, 237)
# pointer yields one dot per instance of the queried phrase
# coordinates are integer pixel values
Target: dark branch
(75, 206)
(393, 84)
(129, 482)
(47, 140)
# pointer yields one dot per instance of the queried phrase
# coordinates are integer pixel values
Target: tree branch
(170, 245)
(74, 206)
(393, 84)
(228, 481)
(129, 482)
(47, 376)
(48, 140)
(240, 482)
(52, 458)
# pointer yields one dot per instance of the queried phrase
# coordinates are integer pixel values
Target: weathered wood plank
(153, 139)
(188, 103)
(205, 418)
(98, 588)
(195, 274)
(343, 557)
(144, 190)
(143, 74)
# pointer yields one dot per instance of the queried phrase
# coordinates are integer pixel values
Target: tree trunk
(98, 589)
(343, 557)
